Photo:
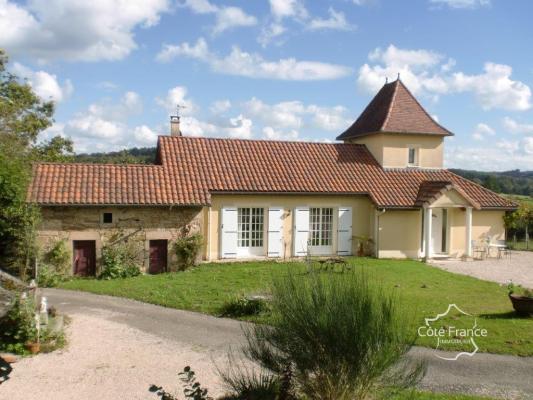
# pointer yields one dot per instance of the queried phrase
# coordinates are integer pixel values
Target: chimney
(175, 125)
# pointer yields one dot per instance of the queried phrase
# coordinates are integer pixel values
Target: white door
(321, 231)
(344, 232)
(228, 231)
(275, 232)
(301, 230)
(439, 231)
(250, 232)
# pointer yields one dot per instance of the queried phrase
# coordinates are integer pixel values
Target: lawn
(434, 396)
(422, 289)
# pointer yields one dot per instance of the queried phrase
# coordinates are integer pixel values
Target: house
(278, 199)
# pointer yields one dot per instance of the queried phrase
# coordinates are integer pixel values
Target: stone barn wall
(134, 225)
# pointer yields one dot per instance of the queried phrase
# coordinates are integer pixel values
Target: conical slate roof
(395, 110)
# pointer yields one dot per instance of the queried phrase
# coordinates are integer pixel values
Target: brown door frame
(161, 246)
(89, 247)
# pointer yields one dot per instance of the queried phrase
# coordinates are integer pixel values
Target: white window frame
(416, 151)
(251, 232)
(321, 239)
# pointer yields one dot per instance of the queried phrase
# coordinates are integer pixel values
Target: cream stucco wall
(362, 214)
(391, 150)
(400, 234)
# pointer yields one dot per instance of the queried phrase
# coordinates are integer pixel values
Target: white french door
(250, 232)
(321, 231)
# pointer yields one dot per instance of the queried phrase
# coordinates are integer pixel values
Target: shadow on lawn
(504, 315)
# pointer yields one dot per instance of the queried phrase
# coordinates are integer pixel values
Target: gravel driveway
(518, 269)
(118, 347)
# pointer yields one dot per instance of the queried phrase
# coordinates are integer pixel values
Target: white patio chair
(479, 248)
(503, 249)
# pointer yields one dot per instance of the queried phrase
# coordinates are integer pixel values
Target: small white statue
(44, 311)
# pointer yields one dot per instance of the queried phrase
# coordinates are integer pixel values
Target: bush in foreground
(341, 337)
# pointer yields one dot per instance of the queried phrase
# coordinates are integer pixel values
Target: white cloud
(501, 155)
(220, 106)
(76, 30)
(295, 10)
(240, 128)
(270, 32)
(45, 85)
(253, 65)
(482, 131)
(226, 17)
(232, 17)
(469, 4)
(174, 97)
(427, 72)
(288, 9)
(289, 116)
(336, 21)
(515, 127)
(494, 88)
(144, 134)
(275, 134)
(103, 125)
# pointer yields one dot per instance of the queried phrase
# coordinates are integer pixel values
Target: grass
(434, 396)
(424, 290)
(520, 245)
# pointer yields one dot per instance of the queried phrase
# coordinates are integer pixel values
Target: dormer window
(412, 160)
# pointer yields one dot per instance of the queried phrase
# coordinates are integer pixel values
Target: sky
(277, 69)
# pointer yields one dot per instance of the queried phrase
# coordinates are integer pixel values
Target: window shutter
(229, 232)
(275, 232)
(344, 232)
(301, 230)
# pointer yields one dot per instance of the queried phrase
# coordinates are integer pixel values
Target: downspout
(379, 213)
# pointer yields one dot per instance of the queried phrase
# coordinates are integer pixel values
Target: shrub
(59, 257)
(243, 307)
(118, 261)
(192, 389)
(187, 248)
(519, 290)
(252, 386)
(48, 276)
(18, 326)
(342, 337)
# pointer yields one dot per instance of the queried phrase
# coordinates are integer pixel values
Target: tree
(521, 219)
(23, 115)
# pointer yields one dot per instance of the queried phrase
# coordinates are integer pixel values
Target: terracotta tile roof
(395, 110)
(193, 168)
(429, 191)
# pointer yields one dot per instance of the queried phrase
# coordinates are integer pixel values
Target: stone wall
(134, 225)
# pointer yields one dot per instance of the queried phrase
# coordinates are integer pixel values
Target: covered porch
(447, 229)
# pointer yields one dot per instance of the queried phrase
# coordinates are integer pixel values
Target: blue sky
(277, 69)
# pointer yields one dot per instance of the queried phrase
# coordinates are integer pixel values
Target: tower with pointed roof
(398, 131)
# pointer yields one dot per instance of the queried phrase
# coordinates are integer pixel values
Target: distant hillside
(511, 182)
(137, 155)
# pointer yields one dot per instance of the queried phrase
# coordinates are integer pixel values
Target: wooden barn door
(158, 256)
(84, 257)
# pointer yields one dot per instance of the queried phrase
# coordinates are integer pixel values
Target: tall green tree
(23, 115)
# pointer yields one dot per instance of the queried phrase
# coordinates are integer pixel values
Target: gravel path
(118, 347)
(518, 269)
(108, 360)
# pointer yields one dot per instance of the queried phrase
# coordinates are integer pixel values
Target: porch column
(428, 217)
(468, 232)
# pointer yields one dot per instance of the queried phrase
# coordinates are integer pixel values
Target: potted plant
(522, 299)
(365, 245)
